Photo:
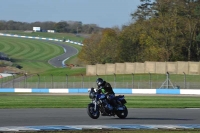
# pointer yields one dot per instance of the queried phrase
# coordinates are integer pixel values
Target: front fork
(95, 104)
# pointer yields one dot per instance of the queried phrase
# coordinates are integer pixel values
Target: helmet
(99, 81)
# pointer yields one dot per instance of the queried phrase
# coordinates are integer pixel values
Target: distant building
(51, 31)
(36, 29)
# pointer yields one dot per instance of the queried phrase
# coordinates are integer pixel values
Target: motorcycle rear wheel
(92, 113)
(122, 114)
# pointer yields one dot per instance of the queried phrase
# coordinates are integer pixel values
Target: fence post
(13, 80)
(67, 80)
(184, 80)
(51, 80)
(38, 80)
(114, 80)
(167, 80)
(150, 80)
(1, 80)
(82, 81)
(24, 80)
(132, 80)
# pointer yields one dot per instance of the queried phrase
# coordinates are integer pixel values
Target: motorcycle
(100, 104)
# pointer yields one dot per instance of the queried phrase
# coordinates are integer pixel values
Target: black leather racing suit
(106, 88)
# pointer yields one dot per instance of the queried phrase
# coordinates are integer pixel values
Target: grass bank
(33, 55)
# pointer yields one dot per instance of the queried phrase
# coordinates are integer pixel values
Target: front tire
(92, 113)
(122, 114)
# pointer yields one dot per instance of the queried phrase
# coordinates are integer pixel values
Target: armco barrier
(116, 90)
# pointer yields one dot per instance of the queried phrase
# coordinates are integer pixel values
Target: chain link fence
(136, 81)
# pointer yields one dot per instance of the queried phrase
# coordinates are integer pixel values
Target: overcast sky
(104, 13)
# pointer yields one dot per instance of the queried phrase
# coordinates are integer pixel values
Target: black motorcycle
(100, 104)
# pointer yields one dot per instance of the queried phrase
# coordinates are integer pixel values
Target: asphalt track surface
(69, 51)
(78, 116)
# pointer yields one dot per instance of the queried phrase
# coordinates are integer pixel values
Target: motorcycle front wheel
(94, 114)
(122, 114)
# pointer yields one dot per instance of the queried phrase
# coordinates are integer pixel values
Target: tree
(166, 25)
(144, 10)
(61, 26)
(129, 48)
(190, 13)
(100, 48)
(109, 46)
(168, 28)
(90, 50)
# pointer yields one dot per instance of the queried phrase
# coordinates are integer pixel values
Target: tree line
(161, 30)
(75, 27)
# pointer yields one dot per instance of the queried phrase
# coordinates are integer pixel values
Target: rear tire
(93, 114)
(122, 114)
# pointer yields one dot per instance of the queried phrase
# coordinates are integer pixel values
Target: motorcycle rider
(105, 88)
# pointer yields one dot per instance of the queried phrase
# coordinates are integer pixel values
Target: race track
(59, 60)
(65, 116)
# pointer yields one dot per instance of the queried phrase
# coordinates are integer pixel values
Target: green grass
(19, 100)
(64, 71)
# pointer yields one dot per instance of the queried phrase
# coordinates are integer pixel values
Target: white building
(36, 29)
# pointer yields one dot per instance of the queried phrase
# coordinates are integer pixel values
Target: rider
(105, 88)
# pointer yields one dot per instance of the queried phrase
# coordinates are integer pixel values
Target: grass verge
(21, 100)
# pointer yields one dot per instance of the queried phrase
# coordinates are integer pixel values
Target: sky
(104, 13)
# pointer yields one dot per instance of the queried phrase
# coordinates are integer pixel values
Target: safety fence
(137, 81)
(136, 85)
